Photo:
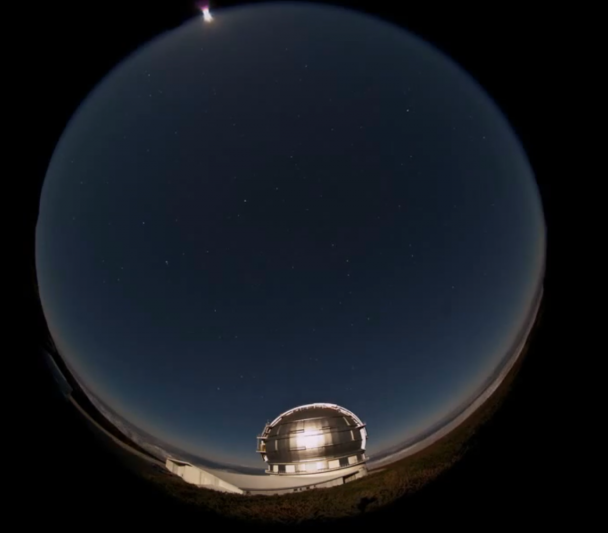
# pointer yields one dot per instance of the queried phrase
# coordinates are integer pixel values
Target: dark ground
(516, 476)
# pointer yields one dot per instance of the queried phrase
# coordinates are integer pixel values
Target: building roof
(315, 410)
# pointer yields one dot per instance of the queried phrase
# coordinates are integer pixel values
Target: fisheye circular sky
(290, 204)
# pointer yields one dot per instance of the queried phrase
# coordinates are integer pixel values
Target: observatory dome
(313, 438)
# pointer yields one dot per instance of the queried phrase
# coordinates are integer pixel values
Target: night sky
(287, 205)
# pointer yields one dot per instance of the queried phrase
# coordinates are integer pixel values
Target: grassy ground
(374, 491)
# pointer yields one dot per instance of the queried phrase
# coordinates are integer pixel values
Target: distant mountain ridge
(159, 448)
(489, 383)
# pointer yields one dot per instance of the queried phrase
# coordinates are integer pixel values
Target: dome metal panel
(313, 438)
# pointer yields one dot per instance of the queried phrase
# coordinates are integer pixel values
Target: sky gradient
(289, 205)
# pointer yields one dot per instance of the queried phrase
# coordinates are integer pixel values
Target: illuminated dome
(313, 438)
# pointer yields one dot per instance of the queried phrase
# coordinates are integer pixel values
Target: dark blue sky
(288, 205)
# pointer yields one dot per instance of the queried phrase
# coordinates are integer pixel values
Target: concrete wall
(264, 485)
(199, 477)
(346, 476)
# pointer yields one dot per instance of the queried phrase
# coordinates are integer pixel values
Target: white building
(267, 485)
(312, 446)
(199, 477)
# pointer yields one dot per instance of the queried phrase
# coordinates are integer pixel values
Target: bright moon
(207, 15)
